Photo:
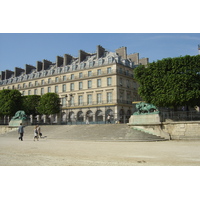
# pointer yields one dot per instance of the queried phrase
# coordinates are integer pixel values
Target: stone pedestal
(144, 119)
(149, 123)
(16, 123)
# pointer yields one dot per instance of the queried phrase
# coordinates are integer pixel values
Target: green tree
(30, 104)
(49, 104)
(170, 81)
(10, 102)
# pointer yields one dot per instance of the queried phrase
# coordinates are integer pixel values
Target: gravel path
(61, 152)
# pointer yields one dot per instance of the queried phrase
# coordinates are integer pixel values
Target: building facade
(90, 86)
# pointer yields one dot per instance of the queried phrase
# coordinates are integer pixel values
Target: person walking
(87, 119)
(36, 134)
(21, 132)
(39, 131)
(108, 119)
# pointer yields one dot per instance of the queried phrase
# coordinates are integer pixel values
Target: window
(56, 89)
(64, 101)
(42, 91)
(99, 98)
(72, 76)
(128, 96)
(89, 84)
(108, 70)
(98, 82)
(121, 95)
(42, 82)
(110, 59)
(29, 92)
(100, 61)
(128, 83)
(49, 89)
(49, 80)
(109, 97)
(89, 99)
(64, 88)
(35, 92)
(23, 93)
(109, 81)
(73, 67)
(24, 85)
(29, 84)
(80, 85)
(72, 100)
(90, 63)
(80, 100)
(18, 86)
(56, 79)
(64, 78)
(36, 83)
(89, 73)
(121, 82)
(99, 72)
(80, 75)
(82, 65)
(71, 86)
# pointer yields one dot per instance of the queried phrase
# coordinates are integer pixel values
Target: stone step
(103, 132)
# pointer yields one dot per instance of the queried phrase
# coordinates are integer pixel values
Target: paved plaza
(62, 152)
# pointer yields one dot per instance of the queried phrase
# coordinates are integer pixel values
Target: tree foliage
(49, 104)
(170, 81)
(10, 102)
(30, 104)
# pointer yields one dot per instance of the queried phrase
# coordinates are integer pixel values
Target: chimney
(122, 52)
(67, 59)
(100, 51)
(82, 55)
(134, 58)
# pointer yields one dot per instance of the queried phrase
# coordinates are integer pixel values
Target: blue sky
(18, 49)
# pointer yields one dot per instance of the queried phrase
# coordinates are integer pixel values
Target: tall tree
(10, 102)
(30, 104)
(49, 104)
(170, 81)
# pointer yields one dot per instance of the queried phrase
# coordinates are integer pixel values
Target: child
(36, 134)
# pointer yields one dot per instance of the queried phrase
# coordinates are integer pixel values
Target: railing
(97, 120)
(180, 116)
(97, 103)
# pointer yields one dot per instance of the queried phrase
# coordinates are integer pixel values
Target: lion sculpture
(146, 108)
(20, 115)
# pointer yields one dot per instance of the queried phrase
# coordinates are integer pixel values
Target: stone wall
(5, 129)
(182, 130)
(169, 130)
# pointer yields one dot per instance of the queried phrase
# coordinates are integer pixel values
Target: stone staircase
(97, 132)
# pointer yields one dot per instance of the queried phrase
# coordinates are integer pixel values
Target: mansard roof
(69, 64)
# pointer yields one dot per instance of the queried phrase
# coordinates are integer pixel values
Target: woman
(36, 134)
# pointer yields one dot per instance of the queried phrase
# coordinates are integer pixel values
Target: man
(21, 132)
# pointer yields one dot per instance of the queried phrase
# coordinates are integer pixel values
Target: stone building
(92, 85)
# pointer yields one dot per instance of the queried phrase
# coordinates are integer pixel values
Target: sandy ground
(55, 152)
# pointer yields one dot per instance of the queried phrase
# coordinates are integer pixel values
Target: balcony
(96, 103)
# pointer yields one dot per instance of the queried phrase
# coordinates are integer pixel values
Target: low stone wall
(169, 130)
(4, 129)
(182, 130)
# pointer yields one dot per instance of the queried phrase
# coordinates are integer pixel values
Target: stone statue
(20, 115)
(145, 108)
